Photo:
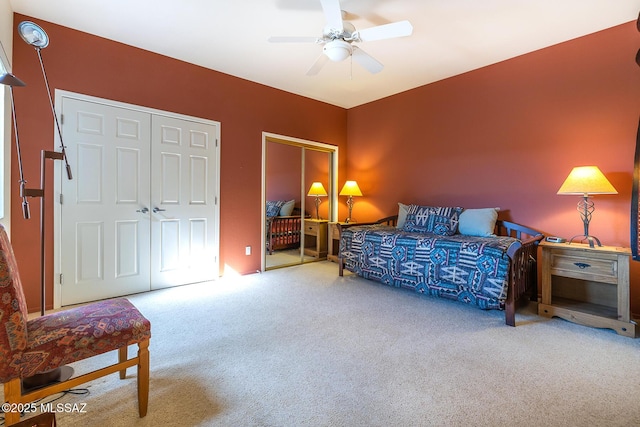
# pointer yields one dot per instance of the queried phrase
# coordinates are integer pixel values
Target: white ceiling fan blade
(317, 66)
(367, 61)
(333, 14)
(387, 31)
(285, 39)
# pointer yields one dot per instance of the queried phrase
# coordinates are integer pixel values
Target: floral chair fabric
(29, 347)
(71, 335)
(13, 313)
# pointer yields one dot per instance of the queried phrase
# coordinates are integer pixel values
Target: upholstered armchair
(40, 345)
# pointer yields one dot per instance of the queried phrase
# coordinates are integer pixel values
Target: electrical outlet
(247, 250)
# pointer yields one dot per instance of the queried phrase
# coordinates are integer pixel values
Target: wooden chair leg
(122, 356)
(143, 377)
(12, 395)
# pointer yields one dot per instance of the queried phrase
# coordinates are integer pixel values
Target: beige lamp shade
(584, 180)
(350, 189)
(317, 189)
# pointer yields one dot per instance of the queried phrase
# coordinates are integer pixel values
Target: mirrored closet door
(298, 176)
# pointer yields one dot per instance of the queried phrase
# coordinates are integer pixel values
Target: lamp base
(592, 240)
(317, 208)
(44, 379)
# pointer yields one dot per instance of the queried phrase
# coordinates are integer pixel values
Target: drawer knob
(582, 265)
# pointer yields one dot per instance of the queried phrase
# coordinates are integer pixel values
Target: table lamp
(350, 189)
(317, 190)
(585, 181)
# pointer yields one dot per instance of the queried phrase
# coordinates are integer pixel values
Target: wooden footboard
(283, 232)
(522, 268)
(389, 220)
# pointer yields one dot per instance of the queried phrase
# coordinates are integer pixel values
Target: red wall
(283, 171)
(504, 135)
(507, 135)
(90, 65)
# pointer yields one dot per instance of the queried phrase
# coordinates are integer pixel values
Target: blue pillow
(273, 207)
(432, 219)
(478, 222)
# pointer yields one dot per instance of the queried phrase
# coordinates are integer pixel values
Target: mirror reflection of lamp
(350, 189)
(317, 190)
(585, 181)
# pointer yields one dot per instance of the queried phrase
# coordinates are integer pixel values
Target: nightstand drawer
(581, 267)
(310, 227)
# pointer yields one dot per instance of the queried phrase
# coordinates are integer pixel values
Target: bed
(493, 270)
(283, 225)
(283, 232)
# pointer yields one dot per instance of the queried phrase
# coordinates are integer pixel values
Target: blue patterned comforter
(473, 270)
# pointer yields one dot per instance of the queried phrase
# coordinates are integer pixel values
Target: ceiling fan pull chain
(350, 67)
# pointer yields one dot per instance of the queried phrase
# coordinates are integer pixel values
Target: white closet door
(105, 239)
(183, 231)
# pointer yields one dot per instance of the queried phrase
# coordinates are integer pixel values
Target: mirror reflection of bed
(290, 169)
(284, 234)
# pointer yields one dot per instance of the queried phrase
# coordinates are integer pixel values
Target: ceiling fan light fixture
(337, 50)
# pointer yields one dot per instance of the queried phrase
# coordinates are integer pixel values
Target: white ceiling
(450, 37)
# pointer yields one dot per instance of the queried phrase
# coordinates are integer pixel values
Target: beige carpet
(303, 347)
(285, 257)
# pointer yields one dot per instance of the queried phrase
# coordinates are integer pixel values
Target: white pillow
(478, 222)
(402, 215)
(287, 208)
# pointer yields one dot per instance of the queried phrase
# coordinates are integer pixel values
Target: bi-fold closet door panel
(183, 201)
(139, 204)
(105, 236)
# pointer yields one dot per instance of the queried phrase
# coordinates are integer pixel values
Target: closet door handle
(143, 210)
(156, 210)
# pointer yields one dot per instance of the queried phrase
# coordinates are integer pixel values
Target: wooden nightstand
(587, 285)
(334, 241)
(315, 238)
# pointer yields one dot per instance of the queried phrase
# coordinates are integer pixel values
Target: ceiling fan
(339, 36)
